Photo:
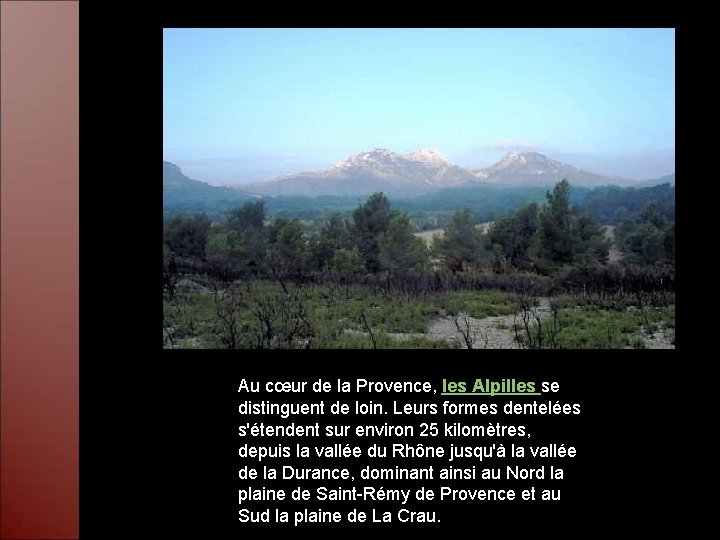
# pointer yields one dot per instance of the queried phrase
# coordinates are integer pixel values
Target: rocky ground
(486, 333)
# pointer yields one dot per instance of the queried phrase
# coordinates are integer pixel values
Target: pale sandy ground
(615, 255)
(428, 235)
(487, 333)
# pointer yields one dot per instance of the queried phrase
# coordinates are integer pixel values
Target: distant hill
(609, 204)
(613, 204)
(479, 195)
(667, 179)
(183, 194)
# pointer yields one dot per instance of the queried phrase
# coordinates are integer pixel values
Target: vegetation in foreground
(261, 315)
(540, 276)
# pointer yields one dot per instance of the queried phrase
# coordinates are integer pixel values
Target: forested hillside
(613, 204)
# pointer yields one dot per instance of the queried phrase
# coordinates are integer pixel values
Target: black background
(158, 429)
(169, 463)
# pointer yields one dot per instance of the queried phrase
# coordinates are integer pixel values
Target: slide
(331, 192)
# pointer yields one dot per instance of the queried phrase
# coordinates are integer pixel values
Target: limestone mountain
(535, 169)
(378, 169)
(425, 171)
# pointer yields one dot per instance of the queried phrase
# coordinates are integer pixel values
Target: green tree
(512, 238)
(646, 244)
(620, 214)
(567, 236)
(462, 241)
(590, 243)
(249, 215)
(556, 238)
(347, 264)
(287, 248)
(650, 241)
(669, 241)
(370, 221)
(653, 246)
(334, 235)
(247, 236)
(218, 242)
(187, 236)
(653, 213)
(624, 229)
(400, 250)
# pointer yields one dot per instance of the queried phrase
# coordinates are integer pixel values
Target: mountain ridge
(378, 169)
(424, 171)
(183, 193)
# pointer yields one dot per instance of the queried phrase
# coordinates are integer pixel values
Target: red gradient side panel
(39, 269)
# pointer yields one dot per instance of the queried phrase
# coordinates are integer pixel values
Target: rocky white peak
(382, 157)
(369, 156)
(428, 156)
(524, 157)
(379, 153)
(422, 171)
(534, 168)
(521, 159)
(511, 159)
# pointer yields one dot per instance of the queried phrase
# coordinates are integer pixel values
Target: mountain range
(374, 170)
(425, 171)
(423, 179)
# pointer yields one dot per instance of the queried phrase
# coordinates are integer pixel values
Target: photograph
(418, 188)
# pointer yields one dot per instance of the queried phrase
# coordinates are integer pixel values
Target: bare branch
(368, 329)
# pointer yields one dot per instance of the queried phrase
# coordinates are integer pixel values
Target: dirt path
(614, 254)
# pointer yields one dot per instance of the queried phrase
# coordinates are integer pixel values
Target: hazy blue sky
(244, 104)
